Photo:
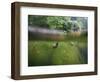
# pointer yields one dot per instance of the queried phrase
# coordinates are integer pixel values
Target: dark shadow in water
(83, 54)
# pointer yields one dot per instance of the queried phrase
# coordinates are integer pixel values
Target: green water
(42, 53)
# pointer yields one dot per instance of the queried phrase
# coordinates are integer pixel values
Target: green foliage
(52, 22)
(57, 22)
(40, 21)
(82, 21)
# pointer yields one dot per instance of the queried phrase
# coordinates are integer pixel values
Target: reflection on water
(83, 54)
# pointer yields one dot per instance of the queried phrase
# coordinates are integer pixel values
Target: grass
(42, 53)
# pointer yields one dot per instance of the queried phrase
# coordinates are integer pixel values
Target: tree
(39, 21)
(51, 22)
